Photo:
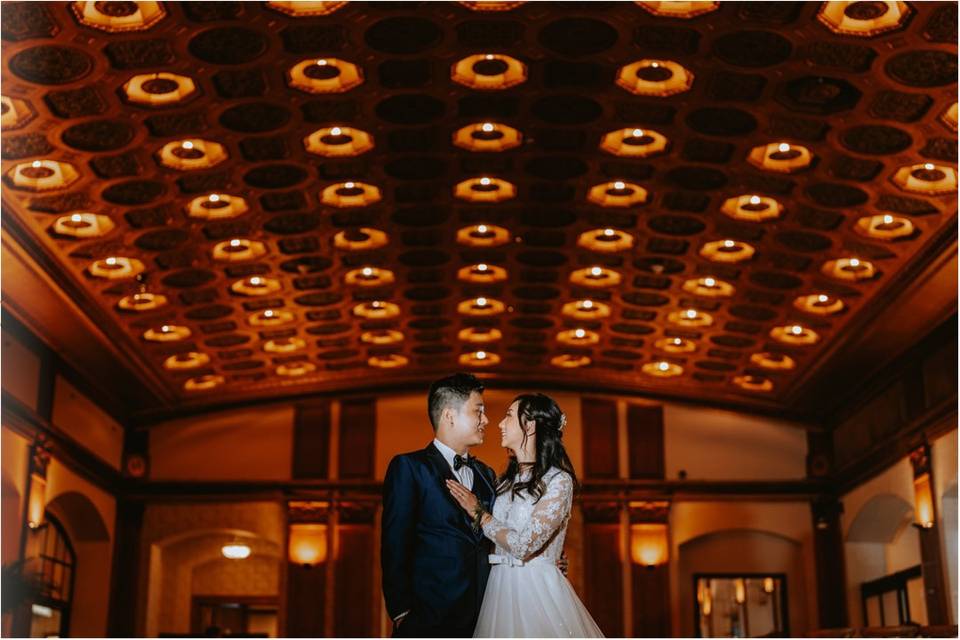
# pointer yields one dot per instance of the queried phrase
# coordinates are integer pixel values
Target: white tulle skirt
(532, 601)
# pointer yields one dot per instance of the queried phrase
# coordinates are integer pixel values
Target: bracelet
(478, 515)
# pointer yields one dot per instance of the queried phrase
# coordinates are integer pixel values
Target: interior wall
(21, 368)
(86, 423)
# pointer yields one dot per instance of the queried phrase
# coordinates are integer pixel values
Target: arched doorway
(50, 565)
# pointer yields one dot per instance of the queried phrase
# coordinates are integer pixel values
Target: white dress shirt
(465, 473)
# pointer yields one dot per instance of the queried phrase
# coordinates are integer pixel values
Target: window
(740, 606)
(50, 561)
(886, 601)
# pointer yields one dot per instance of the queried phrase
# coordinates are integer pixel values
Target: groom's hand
(563, 563)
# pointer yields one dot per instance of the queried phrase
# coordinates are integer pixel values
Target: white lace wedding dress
(527, 595)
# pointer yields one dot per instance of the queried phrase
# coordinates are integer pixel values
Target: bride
(526, 594)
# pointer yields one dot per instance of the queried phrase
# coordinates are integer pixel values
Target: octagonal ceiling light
(83, 225)
(142, 301)
(186, 360)
(167, 333)
(158, 89)
(479, 359)
(884, 227)
(203, 383)
(338, 142)
(795, 334)
(116, 268)
(491, 5)
(368, 277)
(192, 154)
(727, 251)
(617, 194)
(606, 240)
(256, 286)
(488, 137)
(482, 273)
(926, 178)
(483, 235)
(578, 337)
(752, 208)
(570, 360)
(376, 310)
(586, 309)
(780, 157)
(360, 239)
(690, 318)
(484, 189)
(774, 361)
(655, 78)
(863, 19)
(270, 318)
(388, 361)
(852, 269)
(302, 8)
(42, 175)
(284, 345)
(14, 113)
(676, 345)
(489, 72)
(115, 17)
(296, 369)
(238, 250)
(596, 277)
(634, 142)
(344, 195)
(819, 304)
(481, 306)
(381, 336)
(662, 369)
(324, 75)
(949, 117)
(753, 383)
(709, 287)
(480, 335)
(684, 10)
(216, 206)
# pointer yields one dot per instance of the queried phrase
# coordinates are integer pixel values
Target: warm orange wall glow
(308, 544)
(38, 500)
(648, 544)
(923, 501)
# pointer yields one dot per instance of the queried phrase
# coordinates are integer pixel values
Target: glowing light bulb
(482, 228)
(485, 181)
(486, 127)
(76, 218)
(580, 333)
(335, 131)
(321, 62)
(269, 313)
(655, 65)
(854, 262)
(213, 197)
(888, 219)
(489, 56)
(367, 272)
(481, 302)
(677, 341)
(637, 133)
(796, 330)
(36, 164)
(928, 166)
(235, 242)
(481, 355)
(690, 313)
(619, 185)
(187, 145)
(111, 261)
(587, 304)
(663, 366)
(256, 281)
(166, 329)
(482, 267)
(822, 298)
(608, 232)
(754, 199)
(349, 185)
(596, 271)
(783, 147)
(376, 304)
(729, 244)
(709, 282)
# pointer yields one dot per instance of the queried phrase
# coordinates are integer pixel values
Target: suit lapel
(444, 472)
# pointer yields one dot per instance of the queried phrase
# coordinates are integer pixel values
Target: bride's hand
(463, 496)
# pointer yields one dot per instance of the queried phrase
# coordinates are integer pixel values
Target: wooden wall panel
(600, 442)
(358, 429)
(651, 601)
(604, 587)
(645, 441)
(306, 594)
(354, 583)
(311, 440)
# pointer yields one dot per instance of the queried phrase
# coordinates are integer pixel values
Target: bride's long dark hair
(543, 411)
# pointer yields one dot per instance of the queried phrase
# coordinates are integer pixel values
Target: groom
(434, 560)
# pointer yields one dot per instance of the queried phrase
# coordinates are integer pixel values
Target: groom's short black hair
(453, 390)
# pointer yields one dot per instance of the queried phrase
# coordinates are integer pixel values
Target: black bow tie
(459, 461)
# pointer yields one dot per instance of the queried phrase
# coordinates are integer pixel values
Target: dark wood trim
(125, 570)
(829, 562)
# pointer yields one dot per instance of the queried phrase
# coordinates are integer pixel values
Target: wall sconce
(37, 497)
(308, 544)
(740, 591)
(648, 544)
(924, 511)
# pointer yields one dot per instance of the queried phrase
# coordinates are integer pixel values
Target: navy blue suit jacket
(434, 564)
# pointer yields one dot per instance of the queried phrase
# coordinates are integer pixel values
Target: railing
(902, 631)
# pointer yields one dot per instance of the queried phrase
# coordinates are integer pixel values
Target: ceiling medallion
(376, 310)
(158, 89)
(926, 178)
(186, 360)
(491, 6)
(597, 277)
(482, 273)
(295, 369)
(324, 75)
(117, 17)
(361, 239)
(14, 113)
(167, 333)
(794, 334)
(662, 369)
(388, 361)
(481, 306)
(368, 277)
(116, 268)
(709, 287)
(489, 72)
(727, 251)
(606, 240)
(202, 383)
(690, 318)
(586, 310)
(42, 175)
(774, 361)
(270, 318)
(848, 269)
(484, 190)
(479, 359)
(350, 194)
(819, 304)
(191, 155)
(284, 345)
(142, 301)
(255, 286)
(238, 249)
(884, 227)
(487, 137)
(780, 157)
(483, 235)
(752, 208)
(685, 10)
(300, 8)
(381, 336)
(676, 345)
(570, 361)
(634, 143)
(480, 334)
(863, 19)
(753, 383)
(617, 194)
(216, 206)
(948, 117)
(338, 142)
(656, 78)
(83, 225)
(578, 337)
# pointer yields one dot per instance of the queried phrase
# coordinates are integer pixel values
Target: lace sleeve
(548, 515)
